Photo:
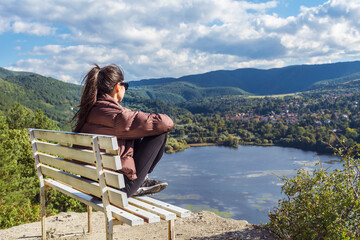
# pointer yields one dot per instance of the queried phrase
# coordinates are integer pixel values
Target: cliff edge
(200, 226)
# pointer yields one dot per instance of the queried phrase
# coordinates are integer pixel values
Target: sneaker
(150, 187)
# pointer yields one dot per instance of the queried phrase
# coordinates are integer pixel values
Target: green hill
(55, 98)
(7, 73)
(348, 81)
(263, 82)
(177, 92)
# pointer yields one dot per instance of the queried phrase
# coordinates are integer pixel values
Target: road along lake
(240, 183)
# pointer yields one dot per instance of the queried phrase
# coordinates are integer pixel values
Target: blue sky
(173, 38)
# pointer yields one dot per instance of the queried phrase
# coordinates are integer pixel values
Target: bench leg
(109, 228)
(43, 212)
(89, 211)
(171, 229)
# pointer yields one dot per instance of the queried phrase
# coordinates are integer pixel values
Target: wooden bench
(92, 177)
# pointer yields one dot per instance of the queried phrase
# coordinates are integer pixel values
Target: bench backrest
(66, 157)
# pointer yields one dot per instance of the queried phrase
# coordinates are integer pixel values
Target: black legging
(147, 153)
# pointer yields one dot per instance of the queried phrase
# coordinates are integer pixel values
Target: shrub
(324, 205)
(173, 145)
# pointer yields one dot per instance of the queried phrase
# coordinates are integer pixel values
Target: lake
(239, 183)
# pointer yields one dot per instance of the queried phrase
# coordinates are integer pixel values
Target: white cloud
(68, 63)
(329, 31)
(174, 38)
(4, 25)
(32, 28)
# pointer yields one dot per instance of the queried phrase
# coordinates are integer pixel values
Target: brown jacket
(107, 117)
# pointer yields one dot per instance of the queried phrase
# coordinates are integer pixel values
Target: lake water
(242, 182)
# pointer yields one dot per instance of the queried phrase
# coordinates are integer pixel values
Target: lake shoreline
(319, 152)
(202, 144)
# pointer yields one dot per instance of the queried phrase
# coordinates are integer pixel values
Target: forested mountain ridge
(178, 92)
(257, 81)
(7, 73)
(55, 98)
(58, 99)
(344, 81)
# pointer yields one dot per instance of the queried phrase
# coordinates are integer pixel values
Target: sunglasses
(125, 84)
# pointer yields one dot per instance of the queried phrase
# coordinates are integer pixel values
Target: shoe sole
(151, 190)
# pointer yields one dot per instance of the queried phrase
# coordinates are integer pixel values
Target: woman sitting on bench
(141, 136)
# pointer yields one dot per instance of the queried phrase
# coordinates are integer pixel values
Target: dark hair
(98, 81)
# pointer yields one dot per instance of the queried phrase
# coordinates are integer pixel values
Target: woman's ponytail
(90, 91)
(88, 98)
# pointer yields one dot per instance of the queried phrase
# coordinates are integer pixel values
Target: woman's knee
(161, 137)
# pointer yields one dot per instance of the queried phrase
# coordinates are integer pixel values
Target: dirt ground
(200, 226)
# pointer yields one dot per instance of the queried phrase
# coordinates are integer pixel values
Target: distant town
(287, 116)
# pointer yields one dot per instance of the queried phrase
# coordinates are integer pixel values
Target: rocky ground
(200, 226)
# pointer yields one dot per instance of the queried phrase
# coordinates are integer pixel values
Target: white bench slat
(180, 212)
(147, 216)
(108, 142)
(112, 178)
(117, 197)
(166, 215)
(86, 156)
(96, 203)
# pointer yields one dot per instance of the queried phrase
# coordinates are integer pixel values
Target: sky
(173, 38)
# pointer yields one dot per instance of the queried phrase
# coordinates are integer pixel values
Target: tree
(351, 133)
(19, 117)
(19, 185)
